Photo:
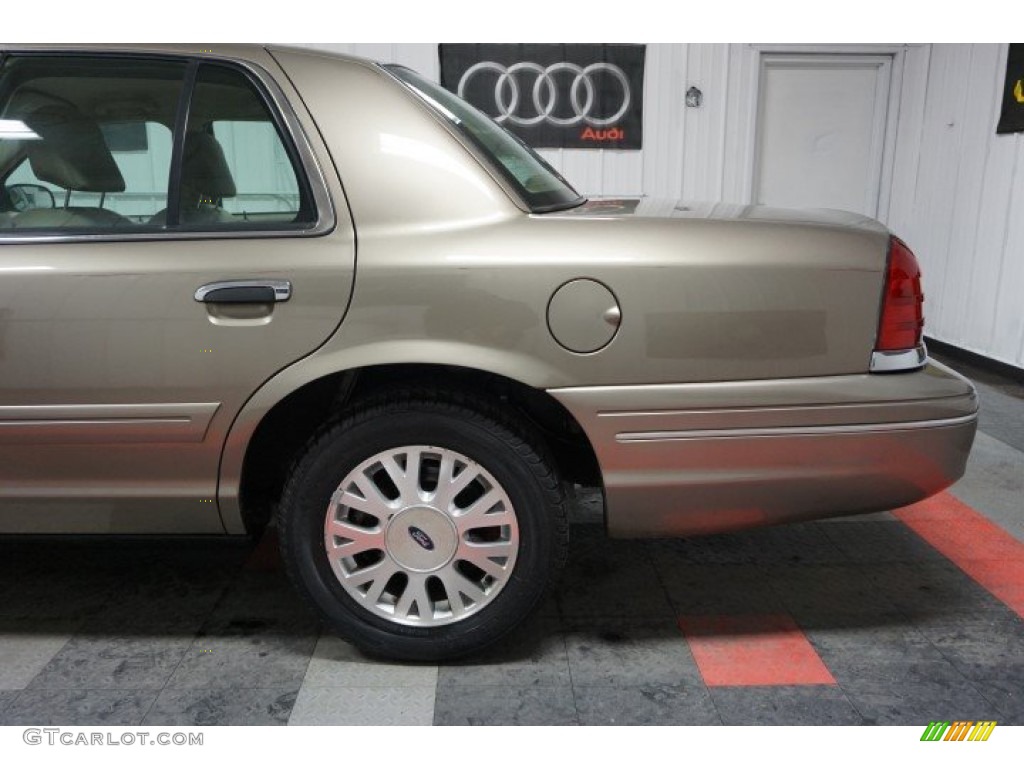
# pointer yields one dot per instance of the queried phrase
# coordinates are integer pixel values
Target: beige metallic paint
(119, 423)
(696, 458)
(711, 485)
(753, 294)
(583, 315)
(768, 317)
(112, 323)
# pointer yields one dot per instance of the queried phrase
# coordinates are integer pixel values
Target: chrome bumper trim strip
(843, 429)
(900, 360)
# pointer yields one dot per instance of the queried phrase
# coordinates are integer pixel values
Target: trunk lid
(667, 208)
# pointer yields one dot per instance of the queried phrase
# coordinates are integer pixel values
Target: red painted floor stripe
(979, 547)
(753, 650)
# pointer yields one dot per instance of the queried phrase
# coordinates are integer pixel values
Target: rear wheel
(423, 527)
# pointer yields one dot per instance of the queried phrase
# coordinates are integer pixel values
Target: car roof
(140, 92)
(244, 51)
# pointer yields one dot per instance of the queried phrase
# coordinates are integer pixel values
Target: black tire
(505, 448)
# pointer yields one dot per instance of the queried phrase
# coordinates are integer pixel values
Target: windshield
(540, 185)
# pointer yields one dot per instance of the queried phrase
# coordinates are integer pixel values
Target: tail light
(901, 324)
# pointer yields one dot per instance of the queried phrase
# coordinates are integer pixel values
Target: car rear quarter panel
(446, 259)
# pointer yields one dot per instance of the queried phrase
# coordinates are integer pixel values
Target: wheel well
(287, 427)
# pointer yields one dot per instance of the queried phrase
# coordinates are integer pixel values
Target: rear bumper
(706, 458)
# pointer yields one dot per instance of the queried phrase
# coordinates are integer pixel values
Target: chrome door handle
(244, 292)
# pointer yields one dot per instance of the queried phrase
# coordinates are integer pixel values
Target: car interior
(85, 148)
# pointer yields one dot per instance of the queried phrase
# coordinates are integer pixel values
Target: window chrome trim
(899, 360)
(326, 215)
(485, 161)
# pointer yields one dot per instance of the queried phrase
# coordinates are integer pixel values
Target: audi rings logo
(545, 94)
(571, 95)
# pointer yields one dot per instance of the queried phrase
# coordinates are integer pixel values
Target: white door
(821, 131)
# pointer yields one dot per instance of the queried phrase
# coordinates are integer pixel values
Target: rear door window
(86, 143)
(237, 169)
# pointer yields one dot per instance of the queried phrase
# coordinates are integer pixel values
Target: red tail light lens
(902, 320)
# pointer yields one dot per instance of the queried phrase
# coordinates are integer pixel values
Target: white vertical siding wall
(953, 189)
(958, 199)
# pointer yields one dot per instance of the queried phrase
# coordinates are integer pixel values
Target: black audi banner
(553, 95)
(1012, 118)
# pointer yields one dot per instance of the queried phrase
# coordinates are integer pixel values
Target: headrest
(204, 171)
(72, 154)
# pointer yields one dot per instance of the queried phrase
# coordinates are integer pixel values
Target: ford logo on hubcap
(420, 537)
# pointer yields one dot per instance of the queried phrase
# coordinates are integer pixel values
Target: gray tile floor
(184, 633)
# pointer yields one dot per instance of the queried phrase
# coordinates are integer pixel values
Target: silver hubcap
(421, 536)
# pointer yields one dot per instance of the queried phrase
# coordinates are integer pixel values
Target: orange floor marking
(753, 650)
(979, 547)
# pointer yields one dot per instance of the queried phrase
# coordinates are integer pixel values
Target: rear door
(167, 243)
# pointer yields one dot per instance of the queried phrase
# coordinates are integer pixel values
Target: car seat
(72, 155)
(205, 181)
